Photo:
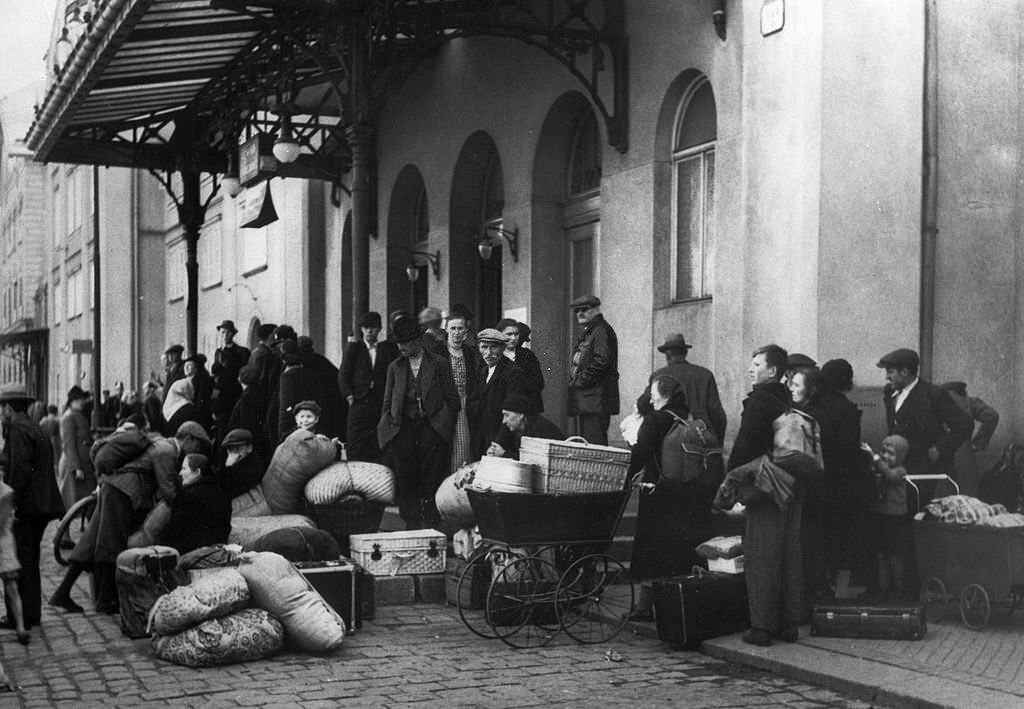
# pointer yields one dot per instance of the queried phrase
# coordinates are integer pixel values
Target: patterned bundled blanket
(963, 509)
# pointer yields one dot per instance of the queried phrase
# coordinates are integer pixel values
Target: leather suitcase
(346, 587)
(474, 589)
(142, 575)
(886, 621)
(690, 609)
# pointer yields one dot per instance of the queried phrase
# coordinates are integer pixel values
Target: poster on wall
(517, 314)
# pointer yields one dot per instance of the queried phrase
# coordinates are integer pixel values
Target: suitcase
(690, 609)
(893, 621)
(346, 587)
(416, 551)
(474, 588)
(142, 575)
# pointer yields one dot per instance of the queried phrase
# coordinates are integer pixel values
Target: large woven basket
(574, 466)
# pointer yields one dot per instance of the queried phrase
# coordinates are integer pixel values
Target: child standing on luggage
(9, 566)
(888, 514)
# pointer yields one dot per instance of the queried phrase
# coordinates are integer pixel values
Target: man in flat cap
(362, 378)
(594, 374)
(228, 360)
(698, 383)
(174, 367)
(922, 413)
(417, 422)
(244, 467)
(495, 379)
(37, 500)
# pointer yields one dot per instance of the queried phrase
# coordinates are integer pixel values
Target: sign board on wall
(773, 16)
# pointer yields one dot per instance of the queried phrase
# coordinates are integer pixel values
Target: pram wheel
(521, 602)
(595, 598)
(975, 608)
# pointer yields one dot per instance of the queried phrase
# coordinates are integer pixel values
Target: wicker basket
(350, 515)
(574, 466)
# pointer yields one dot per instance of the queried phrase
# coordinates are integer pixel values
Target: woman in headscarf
(179, 406)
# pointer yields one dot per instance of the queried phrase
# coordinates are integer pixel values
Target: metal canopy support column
(360, 138)
(191, 213)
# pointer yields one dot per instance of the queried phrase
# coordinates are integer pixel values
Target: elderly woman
(179, 406)
(200, 512)
(463, 359)
(671, 521)
(518, 334)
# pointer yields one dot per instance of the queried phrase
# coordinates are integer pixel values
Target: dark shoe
(63, 600)
(8, 624)
(756, 636)
(108, 607)
(24, 637)
(788, 635)
(641, 616)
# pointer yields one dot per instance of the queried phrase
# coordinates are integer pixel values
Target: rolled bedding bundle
(211, 596)
(451, 499)
(246, 530)
(374, 481)
(277, 587)
(249, 634)
(299, 544)
(299, 457)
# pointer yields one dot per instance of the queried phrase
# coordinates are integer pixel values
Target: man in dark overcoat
(416, 423)
(228, 360)
(496, 378)
(37, 499)
(924, 414)
(594, 374)
(263, 358)
(363, 376)
(174, 367)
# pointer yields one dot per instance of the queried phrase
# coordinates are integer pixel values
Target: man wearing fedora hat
(417, 422)
(594, 374)
(36, 497)
(228, 360)
(699, 384)
(361, 380)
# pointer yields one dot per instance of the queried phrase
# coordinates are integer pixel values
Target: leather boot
(106, 588)
(61, 598)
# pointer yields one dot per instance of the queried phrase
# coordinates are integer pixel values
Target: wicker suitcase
(416, 551)
(574, 466)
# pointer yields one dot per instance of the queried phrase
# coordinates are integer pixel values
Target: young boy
(307, 415)
(889, 515)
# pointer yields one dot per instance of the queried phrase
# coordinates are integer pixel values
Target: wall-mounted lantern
(485, 243)
(412, 271)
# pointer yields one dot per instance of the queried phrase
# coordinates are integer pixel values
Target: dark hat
(307, 405)
(137, 419)
(237, 437)
(15, 395)
(837, 374)
(289, 350)
(265, 331)
(675, 341)
(798, 361)
(248, 375)
(405, 329)
(516, 403)
(460, 311)
(305, 343)
(76, 392)
(228, 325)
(898, 359)
(524, 332)
(285, 332)
(193, 429)
(174, 348)
(585, 301)
(198, 358)
(956, 387)
(491, 335)
(370, 319)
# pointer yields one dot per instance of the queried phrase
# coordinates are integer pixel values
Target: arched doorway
(477, 201)
(567, 228)
(408, 231)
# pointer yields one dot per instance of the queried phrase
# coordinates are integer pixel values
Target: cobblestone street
(416, 654)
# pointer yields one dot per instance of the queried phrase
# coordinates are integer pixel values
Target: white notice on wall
(773, 16)
(517, 314)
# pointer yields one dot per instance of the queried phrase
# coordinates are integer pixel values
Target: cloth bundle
(451, 499)
(299, 544)
(252, 503)
(963, 509)
(246, 530)
(249, 634)
(771, 476)
(299, 457)
(210, 596)
(375, 482)
(721, 547)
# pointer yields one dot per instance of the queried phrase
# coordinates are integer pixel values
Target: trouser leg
(594, 427)
(362, 430)
(402, 454)
(792, 566)
(762, 548)
(28, 537)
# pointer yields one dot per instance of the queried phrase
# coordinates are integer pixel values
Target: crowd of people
(426, 400)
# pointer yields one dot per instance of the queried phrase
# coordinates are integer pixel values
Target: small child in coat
(9, 566)
(888, 515)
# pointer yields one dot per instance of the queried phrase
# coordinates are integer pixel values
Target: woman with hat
(202, 390)
(533, 377)
(250, 411)
(75, 475)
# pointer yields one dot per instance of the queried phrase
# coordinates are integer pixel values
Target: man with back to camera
(594, 373)
(771, 543)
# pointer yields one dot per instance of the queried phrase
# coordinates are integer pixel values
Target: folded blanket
(721, 547)
(962, 509)
(1009, 519)
(762, 474)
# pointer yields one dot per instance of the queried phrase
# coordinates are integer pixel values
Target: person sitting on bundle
(243, 466)
(200, 512)
(516, 423)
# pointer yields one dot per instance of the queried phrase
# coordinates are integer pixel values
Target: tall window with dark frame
(585, 159)
(489, 306)
(420, 241)
(693, 192)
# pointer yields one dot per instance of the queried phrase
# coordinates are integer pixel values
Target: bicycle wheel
(595, 598)
(70, 528)
(521, 602)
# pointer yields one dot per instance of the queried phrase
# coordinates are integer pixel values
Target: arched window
(419, 240)
(693, 191)
(585, 159)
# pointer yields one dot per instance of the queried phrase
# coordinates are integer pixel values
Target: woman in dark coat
(200, 512)
(250, 411)
(670, 523)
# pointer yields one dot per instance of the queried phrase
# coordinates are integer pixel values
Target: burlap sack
(299, 457)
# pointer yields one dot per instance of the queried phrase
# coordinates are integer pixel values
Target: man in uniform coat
(363, 376)
(698, 383)
(924, 414)
(416, 423)
(495, 380)
(594, 374)
(36, 497)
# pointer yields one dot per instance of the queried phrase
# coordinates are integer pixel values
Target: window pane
(700, 124)
(585, 170)
(688, 227)
(709, 220)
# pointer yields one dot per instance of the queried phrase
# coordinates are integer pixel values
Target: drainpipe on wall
(929, 188)
(97, 349)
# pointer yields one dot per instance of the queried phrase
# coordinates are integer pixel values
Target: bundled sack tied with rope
(299, 544)
(252, 503)
(249, 634)
(451, 499)
(373, 481)
(277, 587)
(300, 456)
(246, 530)
(210, 596)
(149, 533)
